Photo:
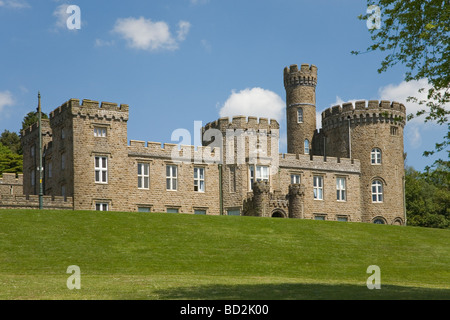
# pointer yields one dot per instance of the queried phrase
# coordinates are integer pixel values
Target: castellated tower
(300, 88)
(373, 133)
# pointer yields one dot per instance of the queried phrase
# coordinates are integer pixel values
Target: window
(50, 170)
(394, 131)
(378, 221)
(172, 210)
(342, 218)
(376, 156)
(33, 151)
(299, 115)
(258, 173)
(377, 191)
(318, 188)
(63, 191)
(319, 217)
(63, 161)
(295, 179)
(233, 212)
(101, 206)
(340, 189)
(200, 211)
(306, 146)
(171, 177)
(101, 169)
(99, 132)
(63, 134)
(33, 177)
(143, 209)
(199, 179)
(143, 176)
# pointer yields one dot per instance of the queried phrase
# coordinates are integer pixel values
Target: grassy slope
(172, 256)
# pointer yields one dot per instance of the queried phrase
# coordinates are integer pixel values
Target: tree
(31, 118)
(427, 198)
(9, 161)
(416, 34)
(12, 141)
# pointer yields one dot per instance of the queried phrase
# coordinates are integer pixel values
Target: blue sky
(180, 61)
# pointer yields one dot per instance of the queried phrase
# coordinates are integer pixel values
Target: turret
(300, 85)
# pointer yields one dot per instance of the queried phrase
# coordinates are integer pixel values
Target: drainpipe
(220, 190)
(349, 138)
(41, 193)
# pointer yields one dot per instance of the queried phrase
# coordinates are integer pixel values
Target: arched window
(375, 156)
(299, 115)
(306, 146)
(378, 221)
(377, 191)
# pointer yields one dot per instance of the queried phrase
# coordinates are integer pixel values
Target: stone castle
(349, 170)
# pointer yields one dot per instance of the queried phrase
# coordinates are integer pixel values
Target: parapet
(364, 112)
(310, 162)
(171, 151)
(92, 108)
(243, 122)
(11, 179)
(46, 129)
(305, 76)
(32, 202)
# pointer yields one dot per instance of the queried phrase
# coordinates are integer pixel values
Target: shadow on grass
(290, 291)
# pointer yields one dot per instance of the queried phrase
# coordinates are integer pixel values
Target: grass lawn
(178, 256)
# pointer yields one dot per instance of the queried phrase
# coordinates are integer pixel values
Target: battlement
(91, 108)
(303, 161)
(305, 76)
(243, 122)
(45, 126)
(32, 202)
(365, 112)
(11, 179)
(185, 153)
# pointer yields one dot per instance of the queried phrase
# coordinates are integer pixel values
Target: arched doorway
(278, 214)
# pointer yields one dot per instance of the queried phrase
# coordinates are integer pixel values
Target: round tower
(371, 132)
(300, 85)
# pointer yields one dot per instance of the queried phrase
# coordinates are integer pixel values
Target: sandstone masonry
(349, 170)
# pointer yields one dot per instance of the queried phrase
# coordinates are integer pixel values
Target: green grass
(176, 256)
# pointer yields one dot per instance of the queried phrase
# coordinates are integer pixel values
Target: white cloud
(104, 43)
(400, 92)
(6, 99)
(14, 4)
(144, 34)
(256, 102)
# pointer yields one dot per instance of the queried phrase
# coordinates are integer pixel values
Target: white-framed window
(300, 115)
(375, 156)
(143, 176)
(101, 206)
(306, 146)
(199, 179)
(171, 177)
(377, 191)
(258, 173)
(318, 187)
(101, 169)
(295, 179)
(341, 192)
(100, 132)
